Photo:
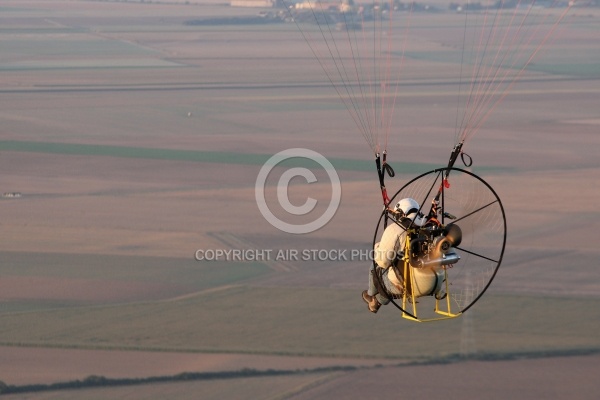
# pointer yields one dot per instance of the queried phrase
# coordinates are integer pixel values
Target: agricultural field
(132, 139)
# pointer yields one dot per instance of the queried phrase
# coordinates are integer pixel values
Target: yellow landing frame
(409, 296)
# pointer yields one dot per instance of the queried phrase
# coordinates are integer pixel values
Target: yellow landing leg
(447, 313)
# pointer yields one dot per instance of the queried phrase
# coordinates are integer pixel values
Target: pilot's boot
(371, 301)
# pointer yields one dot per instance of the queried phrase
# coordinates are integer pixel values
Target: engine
(434, 246)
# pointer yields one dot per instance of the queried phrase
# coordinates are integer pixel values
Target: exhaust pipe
(445, 259)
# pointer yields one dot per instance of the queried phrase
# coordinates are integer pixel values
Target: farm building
(253, 3)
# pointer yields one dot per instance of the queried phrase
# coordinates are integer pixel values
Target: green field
(128, 268)
(308, 321)
(177, 276)
(189, 155)
(343, 164)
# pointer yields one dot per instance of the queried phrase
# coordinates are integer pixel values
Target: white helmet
(409, 208)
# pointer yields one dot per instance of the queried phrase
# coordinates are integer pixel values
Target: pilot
(389, 250)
